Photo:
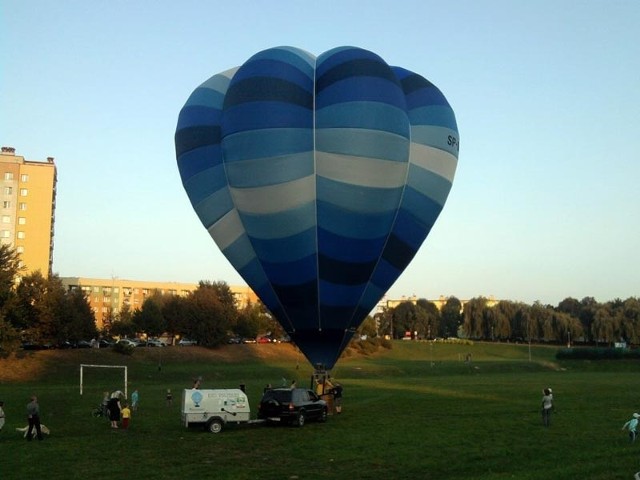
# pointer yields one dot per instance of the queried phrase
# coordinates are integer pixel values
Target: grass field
(414, 412)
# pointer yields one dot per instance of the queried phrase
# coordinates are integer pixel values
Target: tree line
(42, 311)
(571, 321)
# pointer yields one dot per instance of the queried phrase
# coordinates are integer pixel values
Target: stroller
(100, 411)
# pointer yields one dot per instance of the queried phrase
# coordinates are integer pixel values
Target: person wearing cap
(547, 405)
(632, 425)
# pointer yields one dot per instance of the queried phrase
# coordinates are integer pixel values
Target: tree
(408, 317)
(429, 326)
(29, 315)
(248, 323)
(149, 318)
(450, 317)
(368, 328)
(9, 270)
(80, 320)
(175, 311)
(603, 328)
(474, 318)
(212, 312)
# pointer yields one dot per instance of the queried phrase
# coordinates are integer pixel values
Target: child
(632, 425)
(1, 415)
(126, 415)
(135, 397)
(547, 406)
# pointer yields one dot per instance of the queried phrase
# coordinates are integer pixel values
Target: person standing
(33, 416)
(632, 425)
(547, 406)
(126, 415)
(114, 411)
(105, 404)
(337, 397)
(1, 415)
(135, 397)
(169, 397)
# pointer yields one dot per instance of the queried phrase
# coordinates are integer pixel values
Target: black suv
(292, 405)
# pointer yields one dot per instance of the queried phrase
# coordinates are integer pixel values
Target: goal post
(86, 365)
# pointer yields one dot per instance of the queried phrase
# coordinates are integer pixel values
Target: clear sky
(546, 200)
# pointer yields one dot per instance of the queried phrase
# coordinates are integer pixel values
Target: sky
(545, 203)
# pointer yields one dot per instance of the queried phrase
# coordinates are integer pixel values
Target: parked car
(83, 344)
(292, 405)
(152, 342)
(35, 346)
(104, 343)
(263, 340)
(185, 342)
(127, 342)
(234, 340)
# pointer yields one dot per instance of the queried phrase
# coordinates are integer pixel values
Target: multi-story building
(28, 209)
(108, 296)
(439, 302)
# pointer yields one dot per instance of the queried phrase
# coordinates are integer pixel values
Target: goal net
(84, 366)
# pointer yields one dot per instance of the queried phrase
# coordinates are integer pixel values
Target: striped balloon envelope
(318, 178)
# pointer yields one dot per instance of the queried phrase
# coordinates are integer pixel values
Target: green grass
(416, 411)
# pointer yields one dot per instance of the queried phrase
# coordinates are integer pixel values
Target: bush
(597, 354)
(123, 349)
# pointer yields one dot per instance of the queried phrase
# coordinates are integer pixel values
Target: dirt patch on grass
(17, 367)
(31, 365)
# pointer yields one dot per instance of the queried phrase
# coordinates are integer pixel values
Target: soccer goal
(85, 365)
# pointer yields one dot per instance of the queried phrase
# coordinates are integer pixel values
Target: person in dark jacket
(337, 397)
(33, 416)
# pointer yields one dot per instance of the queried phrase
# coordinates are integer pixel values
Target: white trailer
(214, 408)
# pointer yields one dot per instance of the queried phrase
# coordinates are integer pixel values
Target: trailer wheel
(214, 425)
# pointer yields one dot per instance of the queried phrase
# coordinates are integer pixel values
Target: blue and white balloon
(319, 179)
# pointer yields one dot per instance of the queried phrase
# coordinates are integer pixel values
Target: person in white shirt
(547, 406)
(632, 425)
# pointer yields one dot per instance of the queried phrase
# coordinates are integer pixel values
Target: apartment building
(108, 296)
(28, 209)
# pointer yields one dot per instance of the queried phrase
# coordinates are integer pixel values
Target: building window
(24, 192)
(20, 249)
(8, 190)
(6, 204)
(96, 289)
(21, 220)
(24, 177)
(5, 234)
(22, 206)
(8, 176)
(6, 219)
(21, 235)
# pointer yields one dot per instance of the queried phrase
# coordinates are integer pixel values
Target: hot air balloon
(319, 179)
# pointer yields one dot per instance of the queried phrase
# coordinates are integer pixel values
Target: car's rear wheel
(214, 426)
(300, 418)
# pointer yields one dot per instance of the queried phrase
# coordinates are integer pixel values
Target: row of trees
(572, 320)
(40, 310)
